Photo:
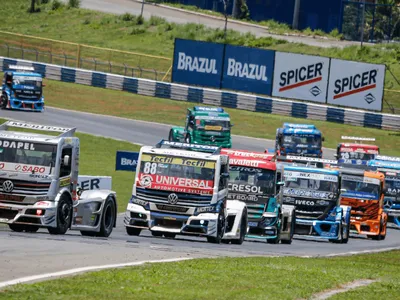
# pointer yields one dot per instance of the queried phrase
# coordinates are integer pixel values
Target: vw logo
(388, 203)
(212, 138)
(172, 198)
(8, 186)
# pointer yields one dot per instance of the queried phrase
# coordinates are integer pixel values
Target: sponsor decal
(12, 167)
(65, 181)
(315, 176)
(244, 188)
(17, 145)
(358, 150)
(216, 128)
(244, 162)
(303, 77)
(354, 84)
(362, 179)
(363, 195)
(178, 161)
(196, 64)
(245, 169)
(8, 197)
(242, 197)
(304, 202)
(95, 182)
(247, 154)
(308, 193)
(245, 70)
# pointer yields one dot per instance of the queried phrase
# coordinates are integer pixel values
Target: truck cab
(204, 126)
(355, 154)
(182, 188)
(363, 191)
(39, 184)
(390, 167)
(22, 89)
(315, 192)
(298, 139)
(254, 180)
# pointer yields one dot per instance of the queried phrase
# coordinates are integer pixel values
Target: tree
(32, 10)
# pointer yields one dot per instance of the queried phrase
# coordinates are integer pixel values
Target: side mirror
(66, 160)
(343, 190)
(280, 183)
(225, 175)
(323, 139)
(232, 125)
(335, 156)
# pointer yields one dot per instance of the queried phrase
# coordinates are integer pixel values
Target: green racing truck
(204, 126)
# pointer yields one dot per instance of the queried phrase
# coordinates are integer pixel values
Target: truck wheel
(3, 101)
(31, 228)
(133, 231)
(379, 237)
(107, 218)
(274, 240)
(292, 229)
(220, 229)
(17, 227)
(243, 230)
(156, 233)
(64, 214)
(171, 136)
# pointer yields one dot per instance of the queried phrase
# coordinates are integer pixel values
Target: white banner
(95, 182)
(355, 84)
(314, 176)
(298, 76)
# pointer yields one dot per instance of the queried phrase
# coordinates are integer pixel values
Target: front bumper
(41, 214)
(319, 229)
(204, 224)
(26, 105)
(370, 227)
(263, 230)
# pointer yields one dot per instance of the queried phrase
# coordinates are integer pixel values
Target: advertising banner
(126, 161)
(197, 63)
(95, 182)
(248, 69)
(303, 77)
(355, 84)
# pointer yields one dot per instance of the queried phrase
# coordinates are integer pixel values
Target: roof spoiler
(190, 147)
(20, 68)
(66, 132)
(309, 161)
(356, 138)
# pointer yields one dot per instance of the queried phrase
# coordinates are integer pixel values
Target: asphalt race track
(25, 254)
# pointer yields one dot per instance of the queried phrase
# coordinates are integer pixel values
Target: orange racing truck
(363, 190)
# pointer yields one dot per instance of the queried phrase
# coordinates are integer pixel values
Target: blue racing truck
(390, 166)
(22, 89)
(299, 140)
(315, 193)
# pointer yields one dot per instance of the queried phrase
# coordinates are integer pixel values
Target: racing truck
(22, 89)
(315, 192)
(182, 188)
(253, 180)
(204, 126)
(39, 183)
(298, 139)
(363, 191)
(390, 167)
(355, 154)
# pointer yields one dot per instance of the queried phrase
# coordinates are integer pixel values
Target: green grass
(97, 157)
(155, 37)
(128, 105)
(227, 278)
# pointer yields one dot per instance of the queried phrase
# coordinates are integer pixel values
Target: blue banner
(126, 161)
(248, 69)
(197, 63)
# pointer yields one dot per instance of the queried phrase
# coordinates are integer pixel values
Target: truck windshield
(17, 152)
(303, 184)
(180, 174)
(393, 185)
(32, 81)
(293, 140)
(361, 187)
(356, 155)
(212, 124)
(251, 180)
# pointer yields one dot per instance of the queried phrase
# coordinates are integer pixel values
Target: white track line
(352, 252)
(343, 288)
(84, 269)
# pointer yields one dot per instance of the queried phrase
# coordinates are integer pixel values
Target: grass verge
(97, 157)
(254, 278)
(154, 36)
(133, 106)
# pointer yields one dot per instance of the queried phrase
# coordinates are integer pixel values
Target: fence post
(78, 56)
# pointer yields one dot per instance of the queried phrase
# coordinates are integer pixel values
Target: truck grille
(365, 211)
(316, 212)
(161, 197)
(255, 211)
(24, 187)
(217, 139)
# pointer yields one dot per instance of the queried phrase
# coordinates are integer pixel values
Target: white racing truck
(182, 188)
(39, 184)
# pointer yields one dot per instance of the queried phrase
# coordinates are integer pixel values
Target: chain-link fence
(370, 22)
(85, 56)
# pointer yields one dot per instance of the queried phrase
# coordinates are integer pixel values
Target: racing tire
(379, 237)
(171, 136)
(16, 227)
(31, 228)
(221, 225)
(274, 240)
(188, 139)
(107, 218)
(169, 235)
(63, 215)
(133, 231)
(226, 241)
(3, 101)
(340, 240)
(243, 230)
(157, 233)
(292, 229)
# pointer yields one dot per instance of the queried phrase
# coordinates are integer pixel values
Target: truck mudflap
(288, 223)
(89, 210)
(177, 134)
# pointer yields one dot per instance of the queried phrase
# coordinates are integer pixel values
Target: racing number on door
(150, 168)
